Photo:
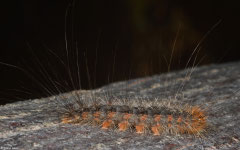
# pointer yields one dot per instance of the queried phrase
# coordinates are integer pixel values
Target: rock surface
(35, 124)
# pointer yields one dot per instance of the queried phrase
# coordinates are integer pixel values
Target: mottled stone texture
(35, 124)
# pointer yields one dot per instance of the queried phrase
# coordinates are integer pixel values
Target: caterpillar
(138, 115)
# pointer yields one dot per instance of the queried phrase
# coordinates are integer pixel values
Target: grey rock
(36, 124)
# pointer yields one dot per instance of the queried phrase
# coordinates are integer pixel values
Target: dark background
(61, 45)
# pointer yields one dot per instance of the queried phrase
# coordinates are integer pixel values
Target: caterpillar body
(138, 115)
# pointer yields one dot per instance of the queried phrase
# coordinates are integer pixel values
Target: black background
(109, 41)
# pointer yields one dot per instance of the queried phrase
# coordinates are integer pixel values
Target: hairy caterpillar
(138, 115)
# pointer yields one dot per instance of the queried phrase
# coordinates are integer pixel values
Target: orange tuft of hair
(107, 124)
(123, 126)
(140, 128)
(156, 129)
